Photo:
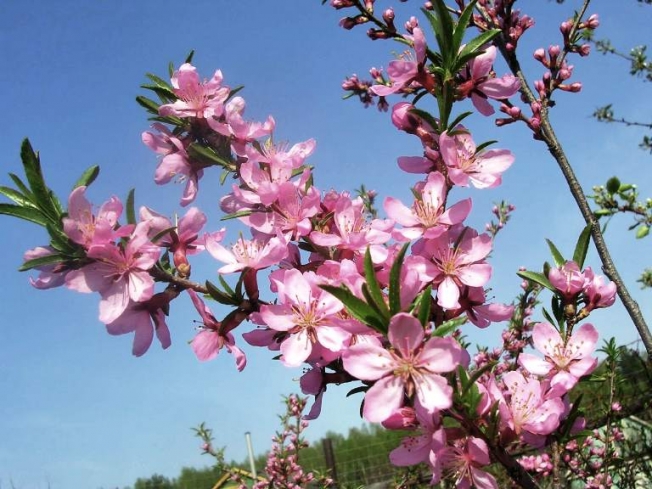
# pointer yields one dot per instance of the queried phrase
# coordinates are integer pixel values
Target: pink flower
(196, 98)
(412, 367)
(50, 276)
(481, 82)
(462, 461)
(403, 72)
(87, 229)
(175, 162)
(465, 165)
(256, 254)
(568, 279)
(211, 339)
(142, 319)
(428, 216)
(527, 412)
(459, 258)
(423, 447)
(308, 315)
(564, 361)
(472, 300)
(119, 274)
(597, 292)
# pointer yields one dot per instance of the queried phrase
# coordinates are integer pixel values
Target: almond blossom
(428, 216)
(84, 227)
(196, 98)
(143, 319)
(564, 362)
(211, 338)
(465, 164)
(462, 462)
(411, 367)
(256, 254)
(308, 315)
(119, 274)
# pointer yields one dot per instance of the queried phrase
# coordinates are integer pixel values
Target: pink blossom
(211, 338)
(307, 314)
(598, 293)
(423, 447)
(459, 260)
(428, 216)
(564, 361)
(473, 302)
(85, 228)
(527, 411)
(412, 367)
(256, 253)
(481, 82)
(50, 276)
(462, 462)
(196, 98)
(119, 274)
(402, 72)
(142, 319)
(466, 165)
(175, 162)
(568, 279)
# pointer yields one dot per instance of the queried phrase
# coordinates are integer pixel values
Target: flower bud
(540, 55)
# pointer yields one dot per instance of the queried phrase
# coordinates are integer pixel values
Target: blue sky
(78, 411)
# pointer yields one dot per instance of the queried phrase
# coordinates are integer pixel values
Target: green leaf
(613, 185)
(548, 317)
(41, 261)
(556, 255)
(395, 281)
(236, 215)
(449, 326)
(359, 309)
(426, 116)
(42, 196)
(22, 187)
(425, 304)
(461, 26)
(225, 285)
(159, 82)
(208, 156)
(17, 197)
(27, 213)
(191, 54)
(220, 296)
(537, 278)
(87, 177)
(130, 207)
(162, 233)
(557, 309)
(582, 246)
(484, 145)
(148, 104)
(165, 94)
(458, 120)
(373, 287)
(442, 25)
(642, 232)
(473, 47)
(355, 390)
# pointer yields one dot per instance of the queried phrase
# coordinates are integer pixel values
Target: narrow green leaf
(87, 177)
(165, 94)
(557, 309)
(473, 47)
(556, 255)
(582, 246)
(355, 390)
(220, 296)
(458, 120)
(537, 278)
(225, 285)
(191, 54)
(548, 317)
(130, 207)
(445, 22)
(236, 215)
(208, 156)
(359, 309)
(484, 145)
(373, 287)
(159, 82)
(476, 375)
(425, 304)
(148, 104)
(426, 116)
(34, 175)
(162, 233)
(448, 327)
(41, 261)
(462, 24)
(26, 213)
(22, 187)
(17, 197)
(372, 302)
(395, 281)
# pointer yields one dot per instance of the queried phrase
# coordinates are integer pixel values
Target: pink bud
(593, 22)
(540, 54)
(566, 27)
(388, 15)
(554, 51)
(585, 50)
(575, 87)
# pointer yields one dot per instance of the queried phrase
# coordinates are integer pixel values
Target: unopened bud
(575, 87)
(553, 51)
(585, 50)
(593, 22)
(388, 15)
(566, 27)
(540, 55)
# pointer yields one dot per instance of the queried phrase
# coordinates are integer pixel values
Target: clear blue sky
(77, 410)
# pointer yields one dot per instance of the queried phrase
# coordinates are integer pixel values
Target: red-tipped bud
(584, 50)
(540, 55)
(575, 87)
(514, 112)
(566, 27)
(553, 51)
(592, 22)
(388, 15)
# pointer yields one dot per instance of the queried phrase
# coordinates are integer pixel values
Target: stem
(549, 137)
(164, 276)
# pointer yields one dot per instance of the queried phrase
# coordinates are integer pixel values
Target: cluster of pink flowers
(356, 298)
